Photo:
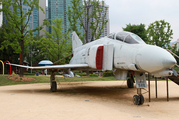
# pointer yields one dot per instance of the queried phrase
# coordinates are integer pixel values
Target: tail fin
(76, 42)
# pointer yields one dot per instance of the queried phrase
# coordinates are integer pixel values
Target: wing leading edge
(54, 66)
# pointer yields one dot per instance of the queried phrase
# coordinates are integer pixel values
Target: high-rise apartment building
(46, 16)
(106, 28)
(33, 21)
(58, 9)
(42, 16)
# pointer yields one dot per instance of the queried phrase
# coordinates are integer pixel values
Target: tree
(160, 33)
(90, 16)
(7, 53)
(32, 53)
(56, 45)
(18, 22)
(137, 29)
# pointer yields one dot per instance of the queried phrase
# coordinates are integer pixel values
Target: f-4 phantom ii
(125, 52)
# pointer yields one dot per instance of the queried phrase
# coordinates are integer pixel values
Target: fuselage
(126, 56)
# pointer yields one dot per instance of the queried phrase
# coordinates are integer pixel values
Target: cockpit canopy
(126, 37)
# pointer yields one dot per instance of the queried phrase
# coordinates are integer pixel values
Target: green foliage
(138, 30)
(29, 74)
(75, 13)
(32, 50)
(46, 79)
(84, 74)
(17, 20)
(177, 59)
(107, 74)
(173, 48)
(81, 74)
(159, 33)
(56, 45)
(93, 75)
(7, 52)
(78, 12)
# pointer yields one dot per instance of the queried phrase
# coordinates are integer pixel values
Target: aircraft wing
(54, 66)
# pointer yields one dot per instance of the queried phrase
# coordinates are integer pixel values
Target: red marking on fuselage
(99, 58)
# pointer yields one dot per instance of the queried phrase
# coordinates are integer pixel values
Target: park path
(104, 100)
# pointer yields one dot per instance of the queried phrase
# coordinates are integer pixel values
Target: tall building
(58, 9)
(106, 28)
(33, 21)
(46, 16)
(42, 16)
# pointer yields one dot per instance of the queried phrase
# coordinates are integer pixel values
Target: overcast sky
(122, 12)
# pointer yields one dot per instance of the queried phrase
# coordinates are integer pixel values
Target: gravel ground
(107, 100)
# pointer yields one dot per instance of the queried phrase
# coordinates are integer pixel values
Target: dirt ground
(18, 78)
(86, 101)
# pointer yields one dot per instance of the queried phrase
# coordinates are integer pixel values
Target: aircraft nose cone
(152, 59)
(168, 62)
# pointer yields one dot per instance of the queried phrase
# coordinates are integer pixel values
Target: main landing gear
(130, 81)
(53, 82)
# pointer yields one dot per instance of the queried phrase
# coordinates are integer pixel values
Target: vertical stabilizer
(76, 42)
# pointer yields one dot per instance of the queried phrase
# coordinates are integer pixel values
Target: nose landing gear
(138, 99)
(140, 84)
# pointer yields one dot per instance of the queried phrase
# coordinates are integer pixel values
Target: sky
(123, 12)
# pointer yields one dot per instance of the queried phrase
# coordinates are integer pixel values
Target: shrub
(107, 74)
(29, 73)
(82, 74)
(93, 75)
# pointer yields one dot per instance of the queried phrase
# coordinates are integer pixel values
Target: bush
(82, 74)
(57, 73)
(29, 73)
(107, 74)
(93, 75)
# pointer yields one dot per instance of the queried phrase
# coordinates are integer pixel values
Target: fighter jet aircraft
(123, 51)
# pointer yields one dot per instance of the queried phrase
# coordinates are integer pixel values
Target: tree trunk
(22, 59)
(87, 21)
(21, 41)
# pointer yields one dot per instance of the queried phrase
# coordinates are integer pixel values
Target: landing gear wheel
(130, 83)
(136, 99)
(54, 86)
(141, 99)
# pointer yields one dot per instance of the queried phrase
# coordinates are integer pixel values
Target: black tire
(141, 99)
(54, 86)
(130, 83)
(136, 100)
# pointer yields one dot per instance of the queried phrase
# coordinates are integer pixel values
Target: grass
(46, 79)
